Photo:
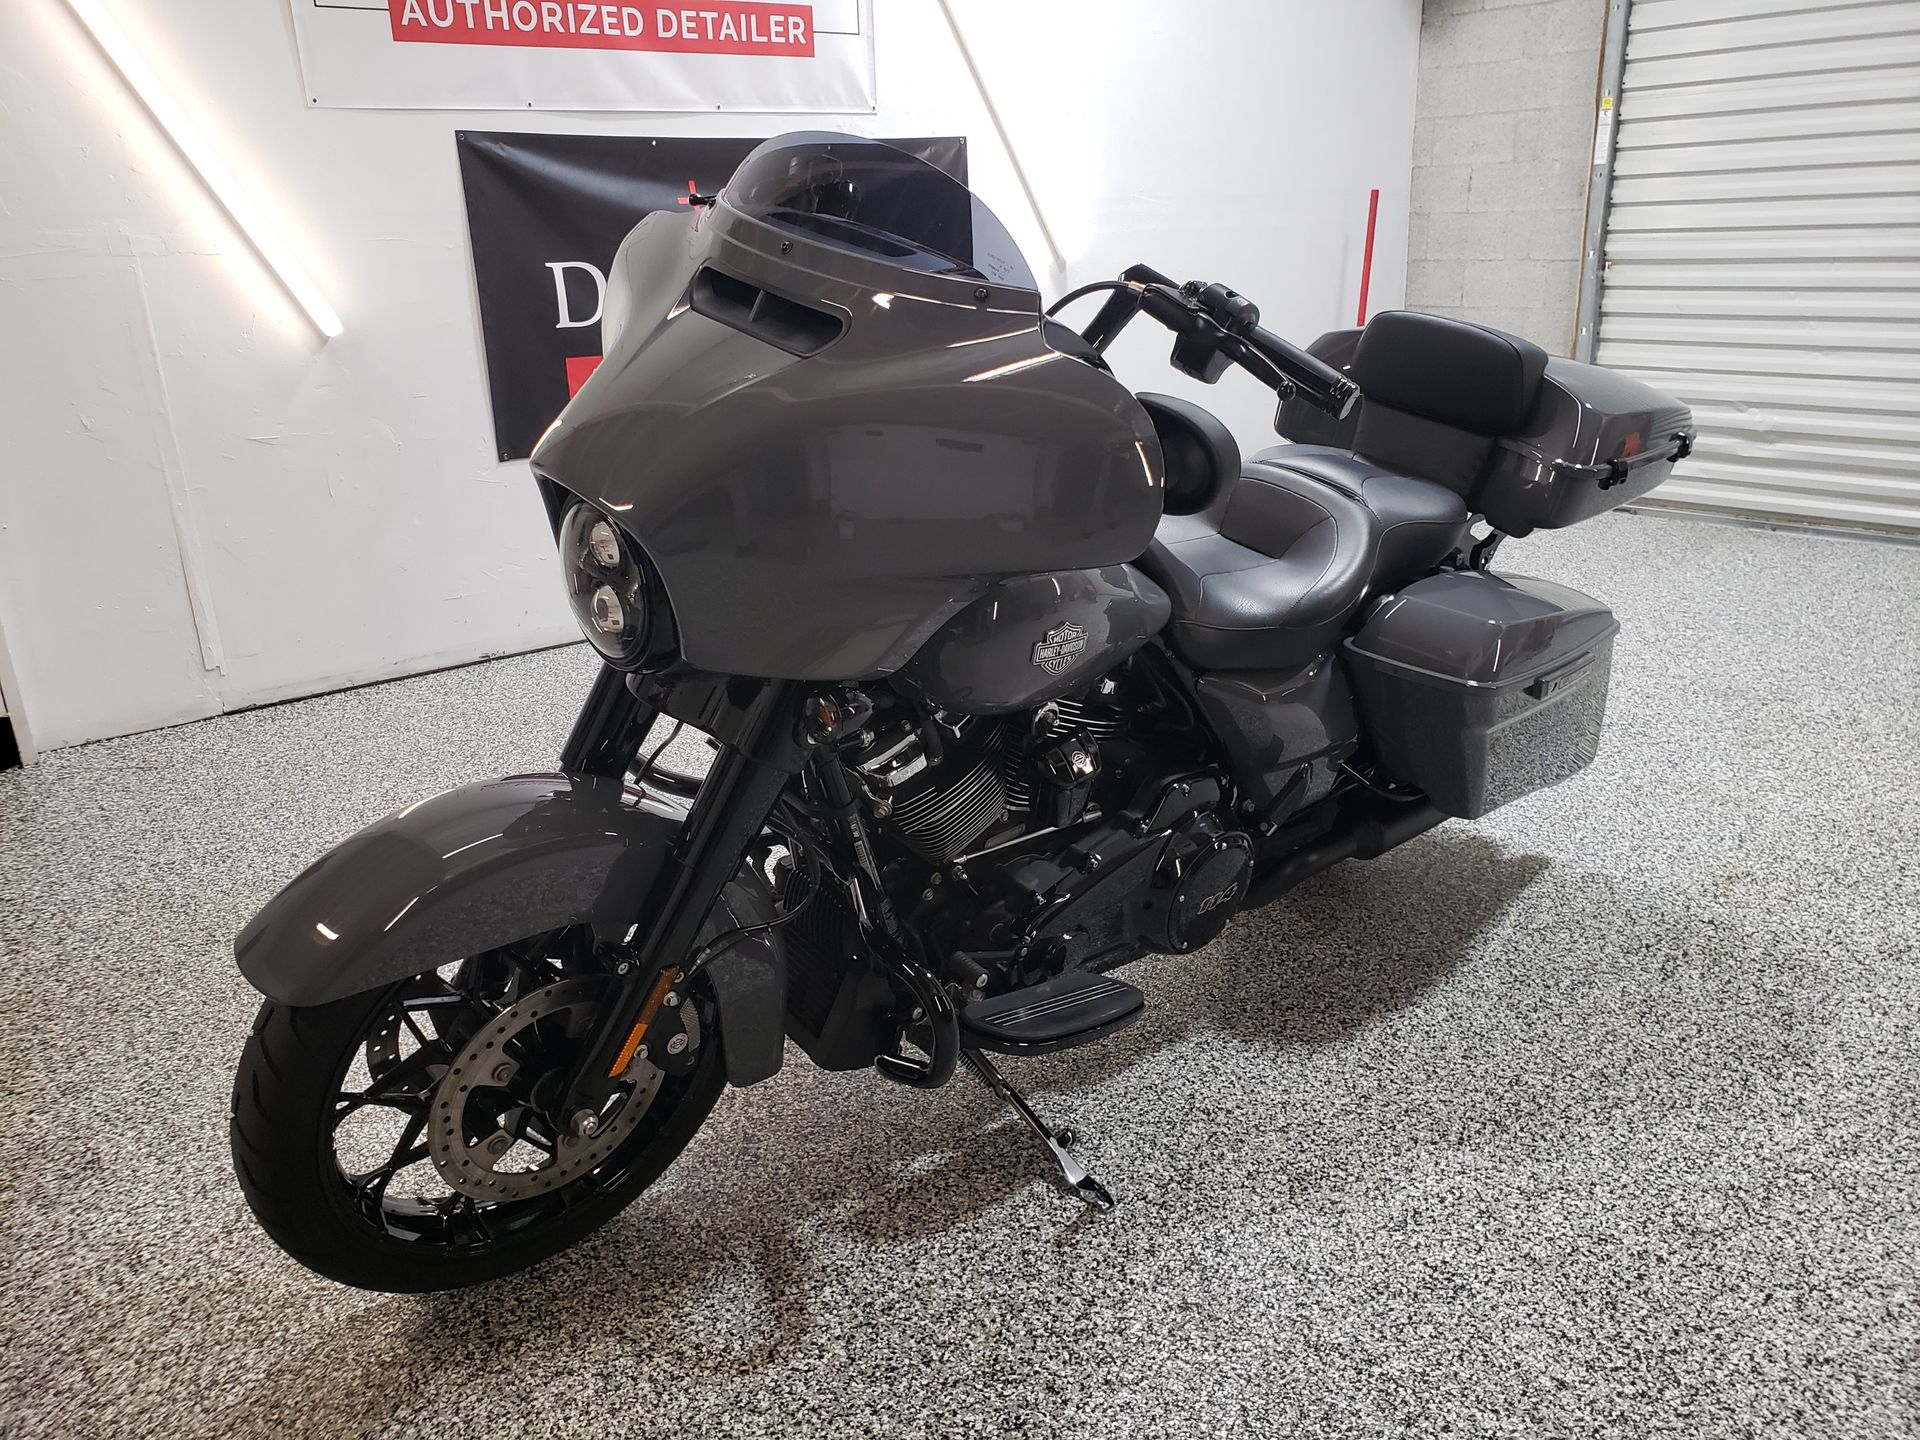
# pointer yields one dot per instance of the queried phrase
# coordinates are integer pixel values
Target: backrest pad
(1467, 376)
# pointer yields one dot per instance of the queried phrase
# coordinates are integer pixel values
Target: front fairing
(820, 515)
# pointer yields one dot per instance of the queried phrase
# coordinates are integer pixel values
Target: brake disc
(478, 1135)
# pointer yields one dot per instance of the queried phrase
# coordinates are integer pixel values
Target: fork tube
(608, 731)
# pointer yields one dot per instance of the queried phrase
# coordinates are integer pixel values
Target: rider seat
(1265, 574)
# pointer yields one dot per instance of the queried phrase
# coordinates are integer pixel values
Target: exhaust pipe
(1364, 836)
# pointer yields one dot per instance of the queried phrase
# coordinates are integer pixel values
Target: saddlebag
(1478, 688)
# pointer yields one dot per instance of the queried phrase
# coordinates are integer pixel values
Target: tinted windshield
(879, 202)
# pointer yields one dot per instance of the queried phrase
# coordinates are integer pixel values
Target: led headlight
(605, 583)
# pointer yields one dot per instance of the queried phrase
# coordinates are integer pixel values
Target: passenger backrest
(1438, 393)
(1466, 376)
(1417, 445)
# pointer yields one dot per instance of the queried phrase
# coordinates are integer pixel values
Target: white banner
(586, 54)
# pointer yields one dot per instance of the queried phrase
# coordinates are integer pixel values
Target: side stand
(1057, 1141)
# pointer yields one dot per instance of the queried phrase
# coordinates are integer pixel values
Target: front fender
(481, 866)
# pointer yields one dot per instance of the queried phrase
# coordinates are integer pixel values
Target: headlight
(605, 583)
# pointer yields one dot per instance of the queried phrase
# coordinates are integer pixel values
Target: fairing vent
(798, 329)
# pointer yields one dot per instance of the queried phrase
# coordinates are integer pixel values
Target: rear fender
(484, 865)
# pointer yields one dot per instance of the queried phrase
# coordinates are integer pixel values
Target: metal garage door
(1763, 249)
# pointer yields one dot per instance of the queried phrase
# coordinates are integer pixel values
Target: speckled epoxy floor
(1599, 1117)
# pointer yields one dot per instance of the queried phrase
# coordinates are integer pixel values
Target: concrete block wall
(1502, 152)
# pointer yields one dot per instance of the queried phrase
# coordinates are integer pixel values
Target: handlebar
(1213, 325)
(1319, 383)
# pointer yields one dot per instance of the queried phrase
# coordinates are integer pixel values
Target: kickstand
(1077, 1178)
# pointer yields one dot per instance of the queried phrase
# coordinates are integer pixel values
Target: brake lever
(1263, 370)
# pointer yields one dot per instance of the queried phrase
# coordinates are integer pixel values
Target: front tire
(290, 1103)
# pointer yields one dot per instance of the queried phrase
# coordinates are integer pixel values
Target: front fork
(768, 733)
(762, 748)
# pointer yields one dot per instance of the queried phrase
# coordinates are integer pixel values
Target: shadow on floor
(1358, 943)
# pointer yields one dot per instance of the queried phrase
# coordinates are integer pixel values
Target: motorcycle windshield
(867, 199)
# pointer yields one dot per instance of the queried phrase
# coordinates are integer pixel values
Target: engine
(1079, 835)
(935, 786)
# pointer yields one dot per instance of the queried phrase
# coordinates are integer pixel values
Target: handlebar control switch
(1228, 309)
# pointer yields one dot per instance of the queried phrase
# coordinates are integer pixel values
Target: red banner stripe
(579, 367)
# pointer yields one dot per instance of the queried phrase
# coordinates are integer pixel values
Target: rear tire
(282, 1128)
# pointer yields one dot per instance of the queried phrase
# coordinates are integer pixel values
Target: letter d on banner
(566, 320)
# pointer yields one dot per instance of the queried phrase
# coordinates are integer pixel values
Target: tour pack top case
(1560, 442)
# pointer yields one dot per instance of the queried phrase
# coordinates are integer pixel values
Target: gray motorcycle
(1014, 677)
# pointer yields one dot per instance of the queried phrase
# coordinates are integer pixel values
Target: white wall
(202, 507)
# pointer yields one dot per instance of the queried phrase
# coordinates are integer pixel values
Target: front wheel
(396, 1140)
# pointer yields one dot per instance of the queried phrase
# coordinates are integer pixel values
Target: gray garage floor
(1599, 1117)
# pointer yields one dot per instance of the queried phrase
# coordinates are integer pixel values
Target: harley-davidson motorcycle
(1014, 678)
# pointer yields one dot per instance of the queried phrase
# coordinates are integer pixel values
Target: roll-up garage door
(1763, 250)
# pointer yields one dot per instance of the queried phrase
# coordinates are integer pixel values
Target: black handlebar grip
(1319, 383)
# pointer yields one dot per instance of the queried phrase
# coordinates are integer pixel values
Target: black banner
(545, 214)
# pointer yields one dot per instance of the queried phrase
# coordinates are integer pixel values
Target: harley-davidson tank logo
(1060, 647)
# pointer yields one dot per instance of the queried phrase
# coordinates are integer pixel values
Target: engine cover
(1117, 891)
(1207, 893)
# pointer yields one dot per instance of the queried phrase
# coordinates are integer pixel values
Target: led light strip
(200, 155)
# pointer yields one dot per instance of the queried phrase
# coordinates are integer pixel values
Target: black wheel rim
(386, 1084)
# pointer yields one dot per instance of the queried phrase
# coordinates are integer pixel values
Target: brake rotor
(482, 1111)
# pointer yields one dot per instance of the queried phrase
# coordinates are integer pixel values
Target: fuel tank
(827, 439)
(1036, 637)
